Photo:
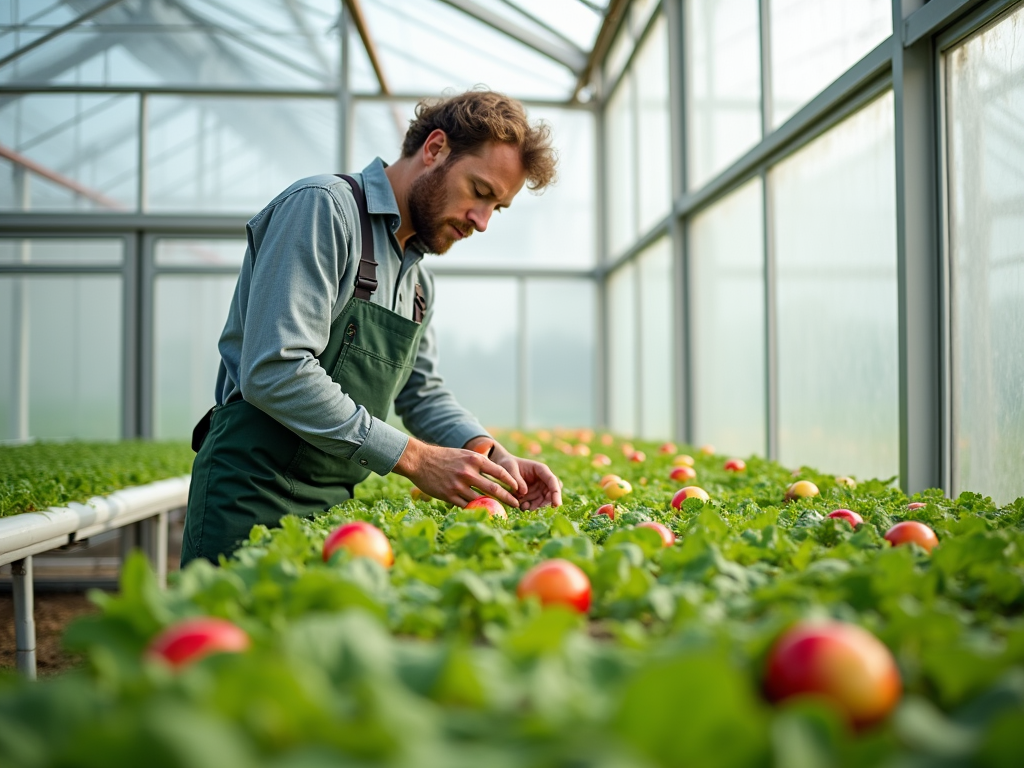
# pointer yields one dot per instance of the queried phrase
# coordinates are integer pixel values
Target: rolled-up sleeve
(426, 406)
(287, 324)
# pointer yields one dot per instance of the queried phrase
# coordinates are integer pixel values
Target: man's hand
(451, 474)
(538, 486)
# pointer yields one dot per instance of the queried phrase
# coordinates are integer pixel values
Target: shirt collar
(380, 199)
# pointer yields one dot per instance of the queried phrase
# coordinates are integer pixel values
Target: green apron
(252, 470)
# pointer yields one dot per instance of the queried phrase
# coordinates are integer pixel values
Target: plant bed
(436, 660)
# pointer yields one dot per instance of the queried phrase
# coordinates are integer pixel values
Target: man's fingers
(498, 472)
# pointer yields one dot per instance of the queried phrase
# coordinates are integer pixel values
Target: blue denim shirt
(299, 272)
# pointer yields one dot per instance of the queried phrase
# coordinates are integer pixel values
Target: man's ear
(435, 148)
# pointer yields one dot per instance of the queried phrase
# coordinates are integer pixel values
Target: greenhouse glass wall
(784, 227)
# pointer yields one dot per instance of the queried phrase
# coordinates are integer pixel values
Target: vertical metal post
(144, 320)
(771, 338)
(130, 540)
(682, 368)
(918, 263)
(130, 396)
(143, 189)
(24, 619)
(522, 355)
(154, 544)
(20, 318)
(602, 401)
(344, 98)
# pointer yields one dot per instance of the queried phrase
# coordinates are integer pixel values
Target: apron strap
(366, 275)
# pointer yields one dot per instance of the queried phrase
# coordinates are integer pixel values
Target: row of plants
(41, 475)
(755, 629)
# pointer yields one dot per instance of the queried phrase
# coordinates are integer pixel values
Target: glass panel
(69, 152)
(560, 343)
(728, 334)
(426, 46)
(235, 154)
(813, 43)
(620, 154)
(189, 315)
(985, 78)
(724, 84)
(657, 408)
(199, 253)
(61, 251)
(187, 43)
(835, 230)
(378, 130)
(478, 358)
(60, 358)
(578, 21)
(622, 350)
(654, 185)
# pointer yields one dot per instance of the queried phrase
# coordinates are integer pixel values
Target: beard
(427, 199)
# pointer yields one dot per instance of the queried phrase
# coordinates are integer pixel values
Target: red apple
(682, 474)
(638, 456)
(912, 531)
(192, 639)
(607, 440)
(493, 506)
(581, 449)
(361, 540)
(849, 516)
(683, 460)
(735, 465)
(689, 492)
(627, 449)
(667, 537)
(801, 489)
(557, 582)
(667, 448)
(600, 460)
(842, 663)
(607, 510)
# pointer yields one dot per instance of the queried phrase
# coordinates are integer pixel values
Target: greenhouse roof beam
(59, 179)
(602, 43)
(568, 56)
(356, 12)
(77, 21)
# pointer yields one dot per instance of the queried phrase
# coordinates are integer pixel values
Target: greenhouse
(739, 382)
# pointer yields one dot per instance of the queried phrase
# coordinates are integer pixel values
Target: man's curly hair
(476, 117)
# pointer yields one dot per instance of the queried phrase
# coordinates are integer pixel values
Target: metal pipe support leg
(24, 620)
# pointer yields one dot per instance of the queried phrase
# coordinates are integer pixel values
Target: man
(330, 324)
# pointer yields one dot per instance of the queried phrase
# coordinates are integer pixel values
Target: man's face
(453, 198)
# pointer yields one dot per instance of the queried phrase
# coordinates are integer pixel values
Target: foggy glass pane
(189, 315)
(620, 159)
(186, 43)
(69, 152)
(724, 84)
(560, 342)
(477, 334)
(728, 331)
(834, 203)
(622, 350)
(60, 357)
(814, 42)
(199, 253)
(427, 46)
(214, 154)
(654, 177)
(61, 250)
(657, 406)
(985, 80)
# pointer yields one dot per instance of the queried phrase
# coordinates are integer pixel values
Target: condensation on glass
(985, 109)
(656, 380)
(214, 155)
(814, 41)
(189, 314)
(477, 325)
(193, 252)
(727, 295)
(60, 357)
(69, 152)
(623, 356)
(835, 240)
(560, 352)
(723, 84)
(226, 43)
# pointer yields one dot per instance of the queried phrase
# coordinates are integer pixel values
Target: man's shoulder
(311, 186)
